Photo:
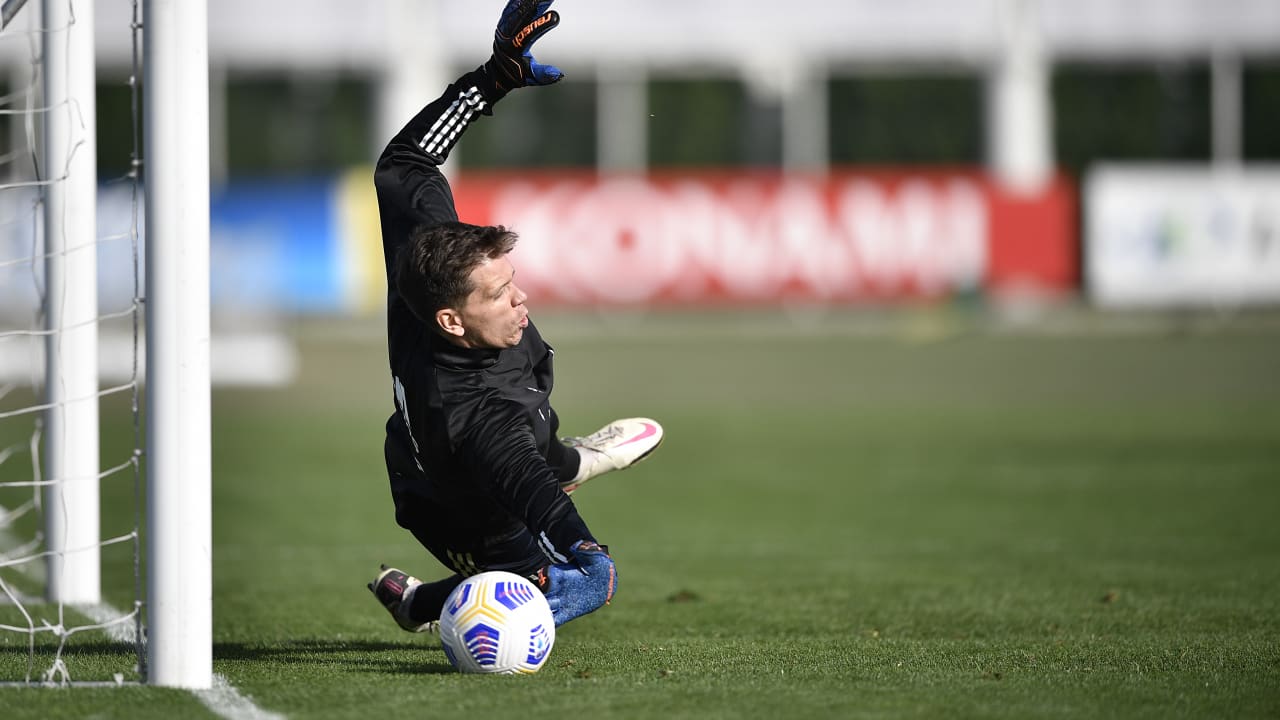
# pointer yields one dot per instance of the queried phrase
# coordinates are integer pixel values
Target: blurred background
(822, 153)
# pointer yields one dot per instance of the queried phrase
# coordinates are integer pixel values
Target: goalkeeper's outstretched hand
(583, 584)
(522, 23)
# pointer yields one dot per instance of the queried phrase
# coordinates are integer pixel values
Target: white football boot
(394, 588)
(616, 446)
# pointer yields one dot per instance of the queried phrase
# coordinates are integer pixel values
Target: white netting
(43, 641)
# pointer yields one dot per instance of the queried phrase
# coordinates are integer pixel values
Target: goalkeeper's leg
(409, 600)
(465, 548)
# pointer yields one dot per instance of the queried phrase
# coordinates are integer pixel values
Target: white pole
(1020, 125)
(1227, 109)
(622, 118)
(805, 127)
(176, 172)
(413, 71)
(71, 304)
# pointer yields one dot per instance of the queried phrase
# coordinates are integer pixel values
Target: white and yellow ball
(497, 622)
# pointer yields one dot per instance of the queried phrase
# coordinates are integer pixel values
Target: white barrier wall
(1182, 236)
(678, 34)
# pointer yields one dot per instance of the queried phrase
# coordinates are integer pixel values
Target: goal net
(69, 518)
(73, 471)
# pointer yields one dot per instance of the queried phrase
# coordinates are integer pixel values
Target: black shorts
(473, 544)
(473, 535)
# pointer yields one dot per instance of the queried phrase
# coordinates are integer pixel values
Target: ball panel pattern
(481, 642)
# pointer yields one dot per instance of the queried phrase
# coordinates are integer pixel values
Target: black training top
(473, 428)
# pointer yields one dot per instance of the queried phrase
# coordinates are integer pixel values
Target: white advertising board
(1182, 236)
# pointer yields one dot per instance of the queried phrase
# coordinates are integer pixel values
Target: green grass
(839, 524)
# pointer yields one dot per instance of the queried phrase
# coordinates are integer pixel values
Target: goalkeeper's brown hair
(433, 269)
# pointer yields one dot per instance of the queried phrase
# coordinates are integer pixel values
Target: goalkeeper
(478, 473)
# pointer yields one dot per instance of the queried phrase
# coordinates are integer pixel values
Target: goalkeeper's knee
(582, 585)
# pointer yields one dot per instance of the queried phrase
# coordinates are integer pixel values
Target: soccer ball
(497, 622)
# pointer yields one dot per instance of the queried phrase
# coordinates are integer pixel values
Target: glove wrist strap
(490, 83)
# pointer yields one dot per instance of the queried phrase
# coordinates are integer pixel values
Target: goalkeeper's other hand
(583, 584)
(522, 23)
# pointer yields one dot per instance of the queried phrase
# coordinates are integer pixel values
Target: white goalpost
(176, 152)
(70, 305)
(56, 248)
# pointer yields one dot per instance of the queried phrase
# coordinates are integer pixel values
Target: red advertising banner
(756, 237)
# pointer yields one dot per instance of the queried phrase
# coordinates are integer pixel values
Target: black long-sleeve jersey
(473, 428)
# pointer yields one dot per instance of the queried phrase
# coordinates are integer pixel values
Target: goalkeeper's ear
(450, 322)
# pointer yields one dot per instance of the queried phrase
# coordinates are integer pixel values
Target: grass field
(927, 518)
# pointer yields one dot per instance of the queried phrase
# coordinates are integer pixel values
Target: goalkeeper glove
(522, 23)
(582, 585)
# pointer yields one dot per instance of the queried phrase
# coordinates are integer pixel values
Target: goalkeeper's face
(494, 314)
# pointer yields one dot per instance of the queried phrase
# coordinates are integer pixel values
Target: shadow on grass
(354, 656)
(93, 660)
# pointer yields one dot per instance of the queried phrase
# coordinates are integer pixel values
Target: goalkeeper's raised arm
(437, 128)
(411, 190)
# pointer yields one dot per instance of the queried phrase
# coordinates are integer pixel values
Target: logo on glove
(518, 40)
